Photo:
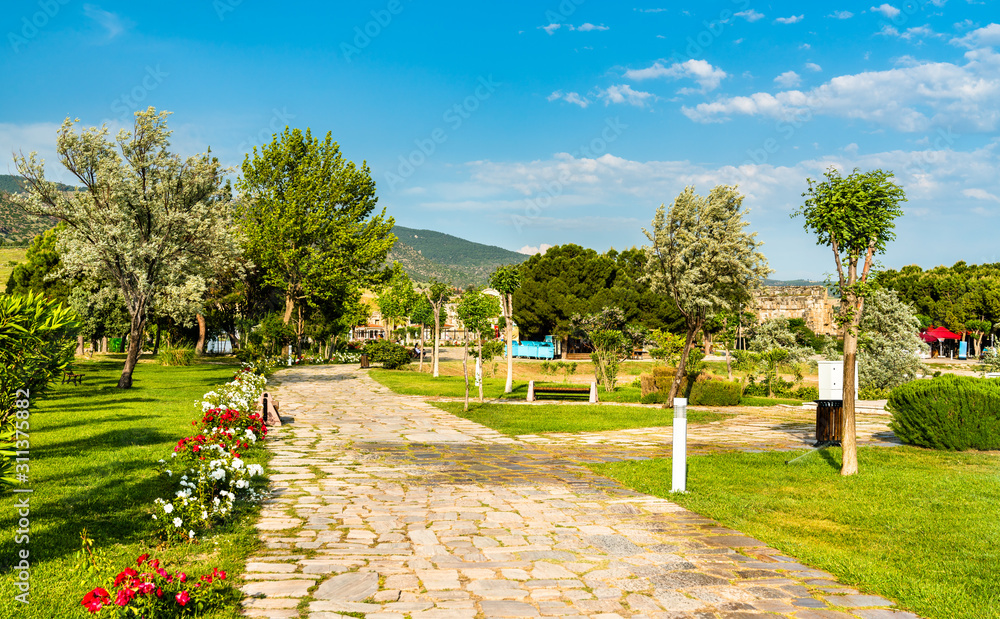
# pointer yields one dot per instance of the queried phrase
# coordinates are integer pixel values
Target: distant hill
(793, 282)
(16, 226)
(425, 254)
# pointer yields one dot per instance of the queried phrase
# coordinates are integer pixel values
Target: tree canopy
(146, 219)
(703, 258)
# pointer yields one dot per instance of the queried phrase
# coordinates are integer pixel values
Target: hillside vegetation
(16, 226)
(425, 254)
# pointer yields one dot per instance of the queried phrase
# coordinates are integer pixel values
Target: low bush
(175, 356)
(806, 393)
(716, 393)
(655, 397)
(874, 393)
(392, 356)
(949, 412)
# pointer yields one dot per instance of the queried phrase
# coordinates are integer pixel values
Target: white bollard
(679, 464)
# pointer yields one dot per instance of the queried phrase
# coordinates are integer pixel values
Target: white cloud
(788, 79)
(702, 72)
(986, 36)
(965, 24)
(623, 93)
(531, 251)
(887, 31)
(887, 10)
(650, 10)
(751, 15)
(587, 27)
(924, 32)
(917, 97)
(794, 19)
(569, 97)
(980, 194)
(812, 66)
(841, 15)
(551, 28)
(112, 23)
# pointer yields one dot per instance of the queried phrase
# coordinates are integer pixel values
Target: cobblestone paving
(389, 508)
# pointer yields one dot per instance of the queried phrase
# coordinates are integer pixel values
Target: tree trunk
(508, 331)
(289, 306)
(199, 348)
(134, 347)
(688, 345)
(420, 366)
(479, 364)
(79, 346)
(849, 464)
(233, 342)
(299, 329)
(465, 369)
(437, 338)
(729, 363)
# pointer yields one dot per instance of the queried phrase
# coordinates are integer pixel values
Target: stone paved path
(388, 508)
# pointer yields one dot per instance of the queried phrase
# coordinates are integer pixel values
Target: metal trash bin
(829, 422)
(364, 361)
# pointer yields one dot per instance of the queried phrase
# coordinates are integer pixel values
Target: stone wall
(812, 303)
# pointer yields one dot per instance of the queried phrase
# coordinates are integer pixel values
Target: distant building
(812, 303)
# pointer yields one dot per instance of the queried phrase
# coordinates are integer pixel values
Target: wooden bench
(73, 379)
(591, 391)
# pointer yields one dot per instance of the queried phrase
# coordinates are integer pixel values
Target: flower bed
(212, 475)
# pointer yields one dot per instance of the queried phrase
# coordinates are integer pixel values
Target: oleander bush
(949, 412)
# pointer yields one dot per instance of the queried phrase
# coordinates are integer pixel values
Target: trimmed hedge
(716, 393)
(950, 413)
(392, 356)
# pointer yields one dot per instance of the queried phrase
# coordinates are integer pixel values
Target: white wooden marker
(679, 464)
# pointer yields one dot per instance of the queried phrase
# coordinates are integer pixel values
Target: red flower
(182, 598)
(96, 599)
(159, 592)
(155, 563)
(182, 577)
(142, 559)
(124, 596)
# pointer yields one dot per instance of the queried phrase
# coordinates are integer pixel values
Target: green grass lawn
(7, 256)
(515, 419)
(916, 526)
(93, 466)
(749, 400)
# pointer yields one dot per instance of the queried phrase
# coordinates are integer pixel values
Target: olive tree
(477, 310)
(437, 294)
(855, 216)
(145, 219)
(889, 346)
(702, 256)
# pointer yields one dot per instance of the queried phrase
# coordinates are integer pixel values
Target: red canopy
(940, 333)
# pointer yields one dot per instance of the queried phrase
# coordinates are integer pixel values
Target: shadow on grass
(132, 437)
(826, 455)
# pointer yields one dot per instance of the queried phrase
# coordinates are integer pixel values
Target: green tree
(40, 271)
(437, 294)
(613, 340)
(855, 216)
(397, 300)
(702, 257)
(477, 310)
(506, 280)
(306, 213)
(146, 219)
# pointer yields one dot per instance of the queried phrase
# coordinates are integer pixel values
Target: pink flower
(124, 597)
(183, 598)
(182, 577)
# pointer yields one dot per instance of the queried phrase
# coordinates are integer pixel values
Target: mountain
(16, 226)
(793, 282)
(425, 254)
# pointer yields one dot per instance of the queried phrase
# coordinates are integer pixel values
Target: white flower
(204, 515)
(169, 473)
(178, 522)
(237, 463)
(191, 534)
(168, 508)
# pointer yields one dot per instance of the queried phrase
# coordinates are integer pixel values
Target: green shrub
(647, 384)
(175, 356)
(950, 412)
(716, 393)
(655, 397)
(874, 393)
(392, 356)
(807, 393)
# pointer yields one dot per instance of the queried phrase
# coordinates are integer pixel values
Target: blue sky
(530, 124)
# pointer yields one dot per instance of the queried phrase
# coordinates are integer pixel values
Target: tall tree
(437, 294)
(477, 310)
(506, 280)
(146, 219)
(855, 216)
(423, 315)
(702, 257)
(888, 342)
(306, 213)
